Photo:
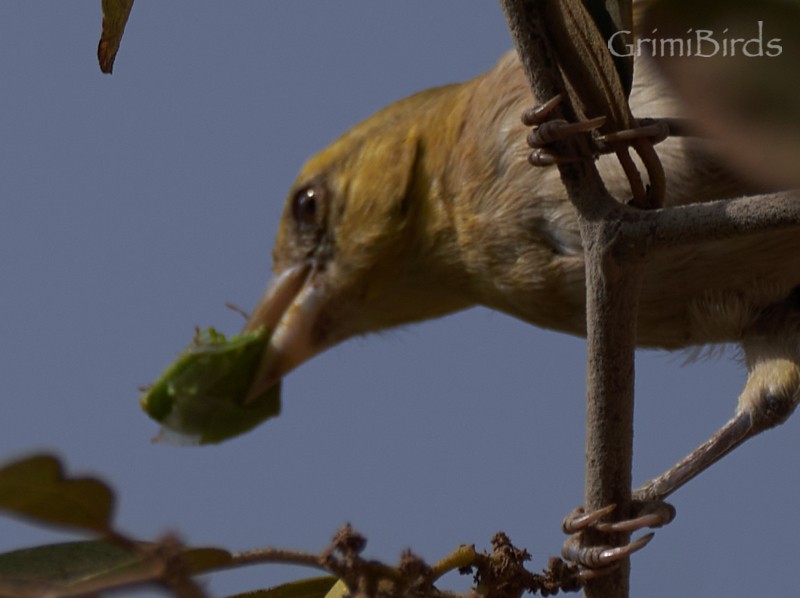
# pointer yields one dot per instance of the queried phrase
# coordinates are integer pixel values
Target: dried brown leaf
(36, 488)
(115, 16)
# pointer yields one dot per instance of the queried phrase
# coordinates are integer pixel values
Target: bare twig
(499, 574)
(274, 556)
(715, 220)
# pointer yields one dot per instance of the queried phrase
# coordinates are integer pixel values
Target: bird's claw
(654, 130)
(559, 129)
(649, 514)
(535, 116)
(543, 157)
(646, 514)
(546, 132)
(579, 519)
(596, 561)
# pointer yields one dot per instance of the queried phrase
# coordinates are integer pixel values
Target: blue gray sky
(132, 207)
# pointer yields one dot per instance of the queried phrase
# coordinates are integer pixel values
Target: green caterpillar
(201, 395)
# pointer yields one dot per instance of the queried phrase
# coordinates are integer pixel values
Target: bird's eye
(305, 206)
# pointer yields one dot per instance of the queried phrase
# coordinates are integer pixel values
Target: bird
(430, 206)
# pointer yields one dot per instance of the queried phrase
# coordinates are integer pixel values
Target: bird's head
(362, 244)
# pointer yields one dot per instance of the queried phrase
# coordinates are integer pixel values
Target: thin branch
(612, 301)
(274, 556)
(715, 220)
(500, 574)
(461, 557)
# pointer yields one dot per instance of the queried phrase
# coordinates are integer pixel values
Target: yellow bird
(430, 206)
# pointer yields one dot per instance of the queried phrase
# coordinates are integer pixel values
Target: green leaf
(115, 17)
(59, 566)
(91, 566)
(313, 587)
(201, 396)
(36, 488)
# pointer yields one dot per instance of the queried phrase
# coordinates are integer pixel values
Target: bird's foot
(656, 130)
(599, 560)
(547, 132)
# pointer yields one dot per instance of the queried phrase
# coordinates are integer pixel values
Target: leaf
(92, 566)
(746, 58)
(339, 590)
(71, 564)
(65, 563)
(582, 52)
(599, 83)
(615, 17)
(201, 396)
(115, 16)
(36, 488)
(313, 587)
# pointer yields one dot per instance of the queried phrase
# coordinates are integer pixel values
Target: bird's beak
(288, 308)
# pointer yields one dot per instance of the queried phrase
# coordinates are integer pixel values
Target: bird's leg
(773, 411)
(770, 396)
(780, 392)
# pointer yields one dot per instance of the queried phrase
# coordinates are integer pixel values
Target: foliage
(37, 489)
(204, 394)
